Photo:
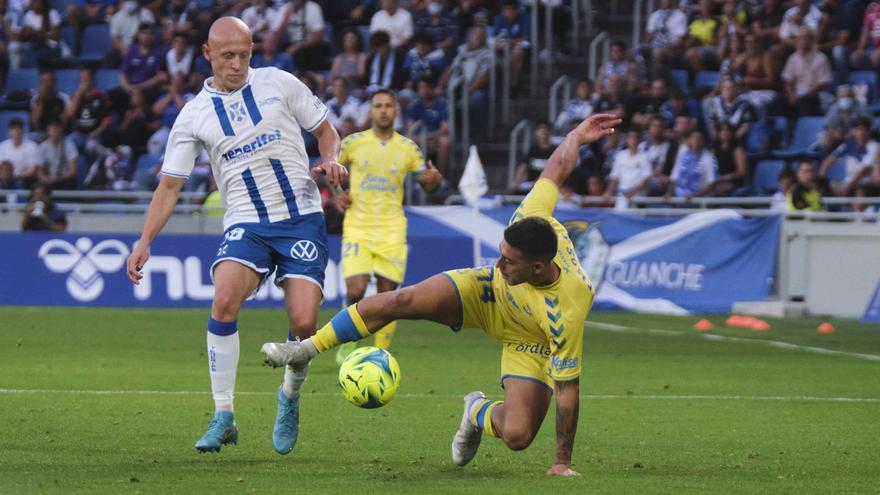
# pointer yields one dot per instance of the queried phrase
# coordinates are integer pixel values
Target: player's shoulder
(355, 138)
(266, 74)
(407, 141)
(194, 110)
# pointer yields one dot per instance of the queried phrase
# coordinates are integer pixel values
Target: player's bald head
(229, 29)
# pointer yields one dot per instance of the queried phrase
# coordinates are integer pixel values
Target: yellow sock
(384, 336)
(481, 415)
(346, 326)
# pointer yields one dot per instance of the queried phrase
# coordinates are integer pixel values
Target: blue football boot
(221, 431)
(286, 424)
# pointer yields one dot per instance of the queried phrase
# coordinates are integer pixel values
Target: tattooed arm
(567, 404)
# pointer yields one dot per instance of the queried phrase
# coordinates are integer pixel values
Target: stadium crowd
(724, 97)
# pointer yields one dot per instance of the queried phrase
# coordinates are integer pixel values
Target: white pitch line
(17, 391)
(613, 327)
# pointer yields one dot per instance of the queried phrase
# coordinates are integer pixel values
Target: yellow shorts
(386, 260)
(523, 355)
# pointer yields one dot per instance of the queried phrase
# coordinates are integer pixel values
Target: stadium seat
(68, 36)
(67, 81)
(765, 179)
(95, 43)
(365, 36)
(107, 79)
(7, 115)
(806, 135)
(868, 78)
(680, 78)
(22, 79)
(707, 79)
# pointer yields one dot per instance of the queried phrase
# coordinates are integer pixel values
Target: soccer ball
(369, 377)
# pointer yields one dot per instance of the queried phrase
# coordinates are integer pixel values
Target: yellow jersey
(377, 171)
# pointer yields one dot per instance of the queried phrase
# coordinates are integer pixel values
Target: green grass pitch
(111, 401)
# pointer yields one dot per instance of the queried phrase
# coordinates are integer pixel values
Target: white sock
(223, 350)
(293, 380)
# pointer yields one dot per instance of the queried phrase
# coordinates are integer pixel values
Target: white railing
(419, 133)
(533, 73)
(458, 144)
(604, 40)
(562, 84)
(520, 141)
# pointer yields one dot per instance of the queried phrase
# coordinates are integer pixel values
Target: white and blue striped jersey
(253, 138)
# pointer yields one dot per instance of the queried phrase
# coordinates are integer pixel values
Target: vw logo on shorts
(304, 250)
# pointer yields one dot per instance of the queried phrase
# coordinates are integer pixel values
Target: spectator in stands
(595, 193)
(438, 23)
(577, 109)
(513, 27)
(8, 181)
(179, 59)
(665, 33)
(89, 113)
(733, 165)
(532, 164)
(680, 105)
(620, 63)
(84, 12)
(613, 100)
(47, 105)
(144, 66)
(384, 64)
(779, 200)
(58, 159)
(758, 72)
(345, 14)
(259, 17)
(803, 15)
(766, 20)
(660, 153)
(269, 56)
(869, 189)
(703, 39)
(432, 111)
(642, 109)
(110, 171)
(176, 21)
(41, 27)
(137, 124)
(167, 108)
(345, 109)
(841, 116)
(350, 63)
(867, 52)
(21, 152)
(41, 213)
(630, 171)
(125, 25)
(301, 24)
(695, 169)
(395, 21)
(807, 75)
(804, 194)
(475, 65)
(732, 109)
(423, 61)
(858, 155)
(5, 39)
(840, 22)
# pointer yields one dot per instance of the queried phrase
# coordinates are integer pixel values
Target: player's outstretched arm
(567, 403)
(564, 159)
(328, 146)
(161, 207)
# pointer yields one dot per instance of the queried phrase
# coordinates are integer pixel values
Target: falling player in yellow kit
(374, 229)
(535, 300)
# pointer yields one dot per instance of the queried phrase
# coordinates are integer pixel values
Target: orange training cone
(760, 326)
(704, 326)
(734, 321)
(826, 328)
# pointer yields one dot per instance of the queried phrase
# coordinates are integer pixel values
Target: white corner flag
(473, 185)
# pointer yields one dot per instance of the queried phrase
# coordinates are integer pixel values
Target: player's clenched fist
(334, 172)
(136, 262)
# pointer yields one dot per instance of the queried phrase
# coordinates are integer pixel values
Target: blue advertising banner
(696, 263)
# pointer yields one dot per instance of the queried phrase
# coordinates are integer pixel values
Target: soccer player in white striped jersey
(249, 122)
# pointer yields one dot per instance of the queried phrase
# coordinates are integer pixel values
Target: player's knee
(302, 324)
(226, 304)
(355, 291)
(518, 437)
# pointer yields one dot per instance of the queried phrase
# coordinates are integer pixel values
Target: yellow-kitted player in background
(374, 229)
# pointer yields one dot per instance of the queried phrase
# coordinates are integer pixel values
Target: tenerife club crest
(85, 263)
(591, 247)
(237, 112)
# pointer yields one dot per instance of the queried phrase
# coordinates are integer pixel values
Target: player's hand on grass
(136, 262)
(595, 128)
(562, 470)
(334, 172)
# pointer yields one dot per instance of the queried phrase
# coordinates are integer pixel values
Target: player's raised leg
(515, 420)
(385, 335)
(355, 288)
(435, 299)
(233, 283)
(301, 298)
